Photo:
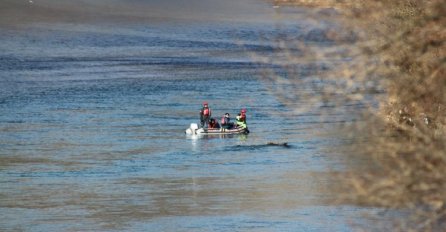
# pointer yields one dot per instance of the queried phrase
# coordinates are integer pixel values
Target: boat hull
(194, 130)
(221, 131)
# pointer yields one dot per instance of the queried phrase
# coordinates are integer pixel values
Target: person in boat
(226, 121)
(205, 115)
(213, 124)
(243, 115)
(240, 120)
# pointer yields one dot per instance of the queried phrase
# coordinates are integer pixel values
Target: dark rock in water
(258, 146)
(278, 144)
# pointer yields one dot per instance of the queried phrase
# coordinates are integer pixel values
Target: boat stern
(192, 130)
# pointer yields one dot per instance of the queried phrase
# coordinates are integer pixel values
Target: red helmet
(243, 111)
(205, 103)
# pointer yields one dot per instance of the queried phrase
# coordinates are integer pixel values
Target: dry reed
(393, 47)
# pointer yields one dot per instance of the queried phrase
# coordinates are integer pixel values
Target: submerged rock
(278, 144)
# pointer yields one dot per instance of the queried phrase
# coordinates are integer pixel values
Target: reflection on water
(92, 135)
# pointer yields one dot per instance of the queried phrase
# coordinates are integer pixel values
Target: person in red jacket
(243, 115)
(205, 115)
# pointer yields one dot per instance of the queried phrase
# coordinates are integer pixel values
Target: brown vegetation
(399, 47)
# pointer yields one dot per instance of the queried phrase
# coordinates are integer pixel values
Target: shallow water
(92, 133)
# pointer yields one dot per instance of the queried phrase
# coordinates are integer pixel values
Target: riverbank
(398, 47)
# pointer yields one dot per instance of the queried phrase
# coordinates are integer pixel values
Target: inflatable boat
(194, 130)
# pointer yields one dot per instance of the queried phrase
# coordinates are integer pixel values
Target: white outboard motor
(192, 130)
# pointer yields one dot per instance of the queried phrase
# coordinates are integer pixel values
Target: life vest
(239, 122)
(206, 111)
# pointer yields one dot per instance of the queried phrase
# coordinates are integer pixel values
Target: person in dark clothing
(226, 121)
(213, 124)
(205, 115)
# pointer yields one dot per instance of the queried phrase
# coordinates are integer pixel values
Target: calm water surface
(92, 122)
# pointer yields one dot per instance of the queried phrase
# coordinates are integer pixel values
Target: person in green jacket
(240, 120)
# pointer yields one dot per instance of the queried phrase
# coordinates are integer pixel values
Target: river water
(92, 121)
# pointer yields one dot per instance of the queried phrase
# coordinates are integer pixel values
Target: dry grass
(397, 47)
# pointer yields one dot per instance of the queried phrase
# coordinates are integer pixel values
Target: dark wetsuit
(226, 123)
